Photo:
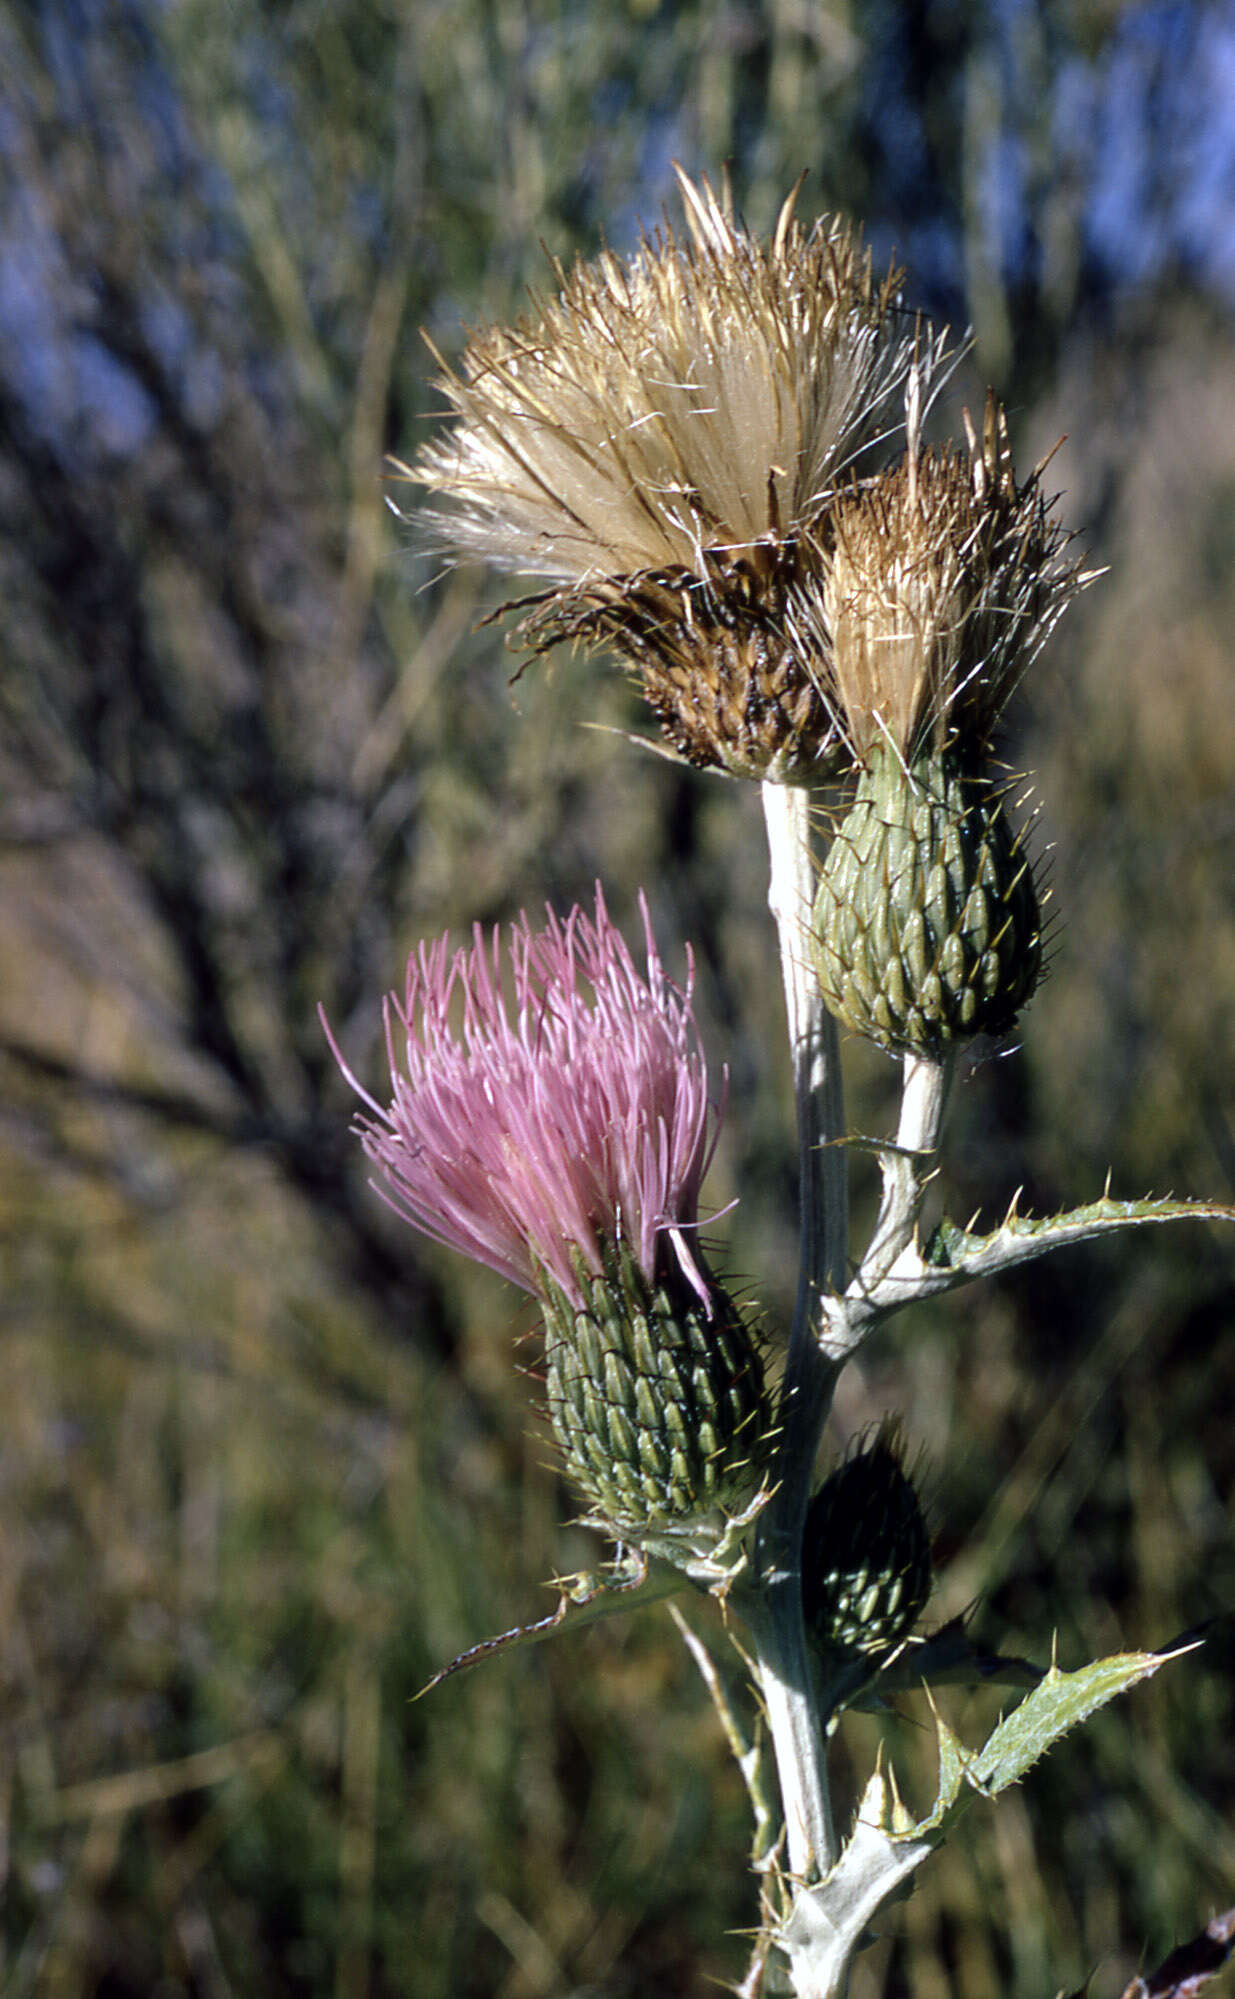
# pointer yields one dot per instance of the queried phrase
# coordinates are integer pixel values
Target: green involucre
(926, 928)
(660, 1410)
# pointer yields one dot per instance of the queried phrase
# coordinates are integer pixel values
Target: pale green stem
(774, 1609)
(907, 1166)
(924, 1100)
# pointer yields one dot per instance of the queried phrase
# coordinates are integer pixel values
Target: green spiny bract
(659, 1406)
(866, 1554)
(927, 928)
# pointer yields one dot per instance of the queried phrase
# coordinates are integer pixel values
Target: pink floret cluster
(525, 1128)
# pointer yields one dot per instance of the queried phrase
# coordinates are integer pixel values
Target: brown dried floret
(936, 584)
(654, 440)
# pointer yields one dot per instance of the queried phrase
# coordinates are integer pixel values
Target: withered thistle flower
(938, 584)
(561, 1139)
(654, 440)
(933, 587)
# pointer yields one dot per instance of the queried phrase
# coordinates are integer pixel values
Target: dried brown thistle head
(654, 440)
(932, 587)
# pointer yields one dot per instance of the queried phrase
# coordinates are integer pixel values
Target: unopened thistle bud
(654, 441)
(938, 584)
(866, 1554)
(658, 1403)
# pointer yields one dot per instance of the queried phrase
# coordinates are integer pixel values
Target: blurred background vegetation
(267, 1460)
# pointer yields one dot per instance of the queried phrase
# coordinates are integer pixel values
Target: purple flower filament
(531, 1133)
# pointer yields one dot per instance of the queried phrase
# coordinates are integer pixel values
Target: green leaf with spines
(960, 1254)
(828, 1921)
(1059, 1702)
(626, 1584)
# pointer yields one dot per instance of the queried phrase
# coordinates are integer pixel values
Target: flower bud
(866, 1557)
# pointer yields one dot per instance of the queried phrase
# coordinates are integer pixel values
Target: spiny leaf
(627, 1585)
(952, 1769)
(828, 1920)
(1057, 1703)
(959, 1254)
(905, 1270)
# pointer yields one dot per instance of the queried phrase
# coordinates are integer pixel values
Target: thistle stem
(775, 1607)
(927, 1081)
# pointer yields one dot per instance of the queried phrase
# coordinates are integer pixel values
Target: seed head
(654, 440)
(934, 586)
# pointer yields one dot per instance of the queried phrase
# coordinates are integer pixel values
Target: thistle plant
(689, 450)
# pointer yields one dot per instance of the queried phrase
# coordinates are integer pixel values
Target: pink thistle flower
(533, 1132)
